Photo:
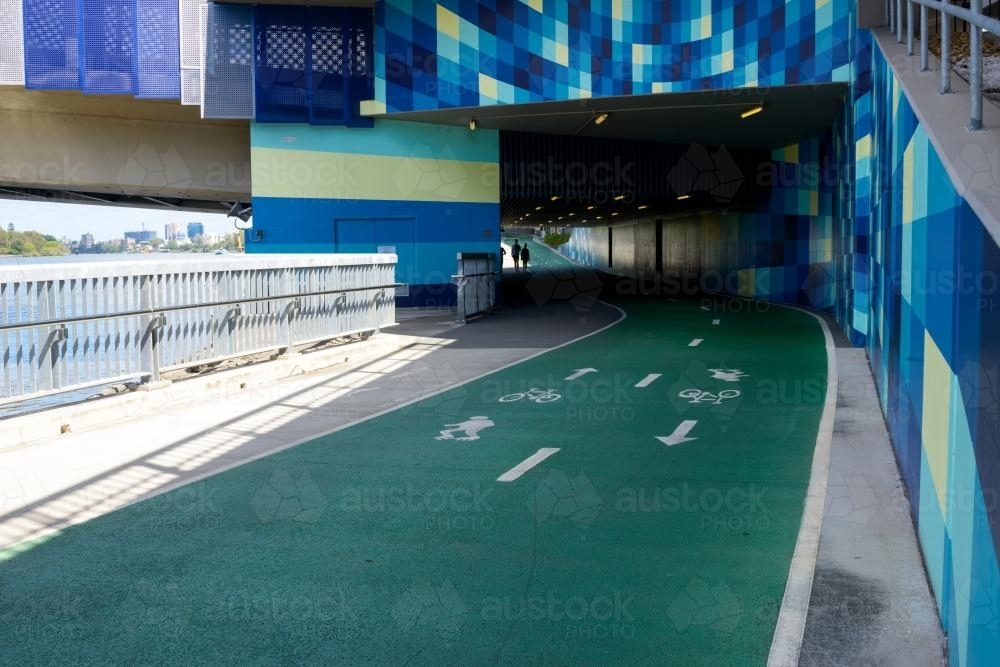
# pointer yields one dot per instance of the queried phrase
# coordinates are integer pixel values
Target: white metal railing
(69, 325)
(978, 22)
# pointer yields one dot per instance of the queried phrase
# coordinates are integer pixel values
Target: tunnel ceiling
(791, 114)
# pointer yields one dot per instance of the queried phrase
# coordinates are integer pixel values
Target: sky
(104, 222)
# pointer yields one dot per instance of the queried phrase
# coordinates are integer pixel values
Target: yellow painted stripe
(937, 408)
(317, 175)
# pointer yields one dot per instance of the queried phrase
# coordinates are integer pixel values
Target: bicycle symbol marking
(699, 396)
(535, 394)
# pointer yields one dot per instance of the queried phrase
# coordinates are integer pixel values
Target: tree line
(30, 244)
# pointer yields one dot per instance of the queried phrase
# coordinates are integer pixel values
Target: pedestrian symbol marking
(470, 427)
(680, 433)
(527, 464)
(648, 380)
(729, 375)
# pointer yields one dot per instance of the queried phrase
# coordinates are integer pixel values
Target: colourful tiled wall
(934, 346)
(459, 53)
(427, 191)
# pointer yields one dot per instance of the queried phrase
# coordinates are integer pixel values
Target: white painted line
(786, 646)
(527, 464)
(648, 380)
(706, 309)
(716, 321)
(696, 342)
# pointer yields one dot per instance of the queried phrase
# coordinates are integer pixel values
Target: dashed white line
(696, 342)
(527, 464)
(648, 380)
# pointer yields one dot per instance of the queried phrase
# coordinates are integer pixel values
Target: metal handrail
(974, 17)
(166, 309)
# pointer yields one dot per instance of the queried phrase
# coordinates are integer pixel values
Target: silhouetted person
(515, 252)
(525, 256)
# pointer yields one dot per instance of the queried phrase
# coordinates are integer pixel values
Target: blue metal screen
(50, 44)
(312, 65)
(107, 47)
(227, 78)
(157, 49)
(103, 46)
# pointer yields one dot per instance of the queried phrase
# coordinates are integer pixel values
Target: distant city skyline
(106, 223)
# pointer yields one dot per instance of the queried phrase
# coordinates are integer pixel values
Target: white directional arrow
(648, 380)
(696, 342)
(580, 372)
(680, 433)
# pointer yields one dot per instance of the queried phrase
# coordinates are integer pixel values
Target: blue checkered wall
(459, 53)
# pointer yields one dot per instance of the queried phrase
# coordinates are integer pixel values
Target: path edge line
(786, 645)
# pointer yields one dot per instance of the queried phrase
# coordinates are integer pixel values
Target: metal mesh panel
(280, 60)
(50, 44)
(312, 65)
(11, 43)
(227, 76)
(158, 50)
(191, 28)
(107, 31)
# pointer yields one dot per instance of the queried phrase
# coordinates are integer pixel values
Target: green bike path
(660, 532)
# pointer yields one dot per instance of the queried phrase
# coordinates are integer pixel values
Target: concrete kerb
(52, 423)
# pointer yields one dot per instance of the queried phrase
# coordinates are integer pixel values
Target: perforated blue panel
(158, 49)
(227, 79)
(50, 44)
(312, 65)
(107, 46)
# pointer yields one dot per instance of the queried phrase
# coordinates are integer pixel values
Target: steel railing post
(149, 330)
(909, 27)
(975, 70)
(945, 53)
(899, 21)
(923, 38)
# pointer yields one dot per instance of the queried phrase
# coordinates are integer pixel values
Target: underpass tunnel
(730, 192)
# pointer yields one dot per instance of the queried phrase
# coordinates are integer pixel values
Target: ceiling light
(619, 197)
(643, 207)
(590, 208)
(752, 111)
(615, 213)
(598, 217)
(560, 217)
(538, 208)
(571, 213)
(554, 197)
(600, 118)
(472, 124)
(683, 197)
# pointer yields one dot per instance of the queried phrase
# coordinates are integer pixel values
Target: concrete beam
(120, 146)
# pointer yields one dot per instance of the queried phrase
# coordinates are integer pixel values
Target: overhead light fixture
(590, 208)
(752, 111)
(615, 213)
(554, 197)
(683, 197)
(619, 197)
(538, 208)
(473, 124)
(571, 214)
(643, 207)
(600, 118)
